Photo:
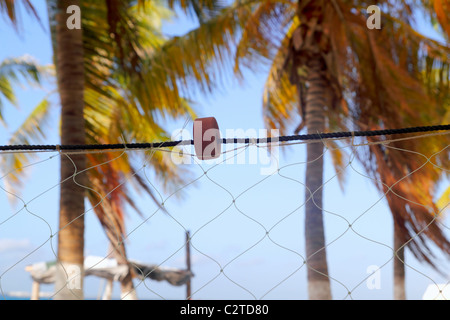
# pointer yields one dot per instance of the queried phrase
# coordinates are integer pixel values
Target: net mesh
(244, 217)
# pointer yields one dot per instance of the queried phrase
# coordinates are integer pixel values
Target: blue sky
(224, 235)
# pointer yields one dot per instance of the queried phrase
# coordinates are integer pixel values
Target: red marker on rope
(207, 142)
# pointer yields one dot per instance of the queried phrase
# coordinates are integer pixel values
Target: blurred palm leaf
(32, 130)
(11, 8)
(14, 71)
(443, 202)
(201, 9)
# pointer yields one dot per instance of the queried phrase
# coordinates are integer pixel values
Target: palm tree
(327, 67)
(122, 97)
(396, 165)
(70, 73)
(436, 80)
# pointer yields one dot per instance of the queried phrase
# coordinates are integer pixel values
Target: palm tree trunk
(399, 268)
(318, 281)
(70, 75)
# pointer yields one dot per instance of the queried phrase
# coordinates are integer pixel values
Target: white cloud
(8, 245)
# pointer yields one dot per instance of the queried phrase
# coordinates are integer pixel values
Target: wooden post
(35, 291)
(188, 265)
(35, 286)
(107, 294)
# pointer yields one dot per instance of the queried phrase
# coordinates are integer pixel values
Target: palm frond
(123, 103)
(11, 8)
(203, 10)
(414, 210)
(207, 53)
(281, 98)
(438, 12)
(31, 131)
(262, 34)
(14, 71)
(443, 202)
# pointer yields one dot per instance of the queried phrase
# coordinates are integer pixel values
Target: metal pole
(188, 265)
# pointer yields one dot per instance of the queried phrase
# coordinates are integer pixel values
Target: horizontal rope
(166, 144)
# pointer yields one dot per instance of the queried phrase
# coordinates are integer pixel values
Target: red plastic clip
(207, 142)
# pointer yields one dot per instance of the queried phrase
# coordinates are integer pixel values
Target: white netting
(245, 216)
